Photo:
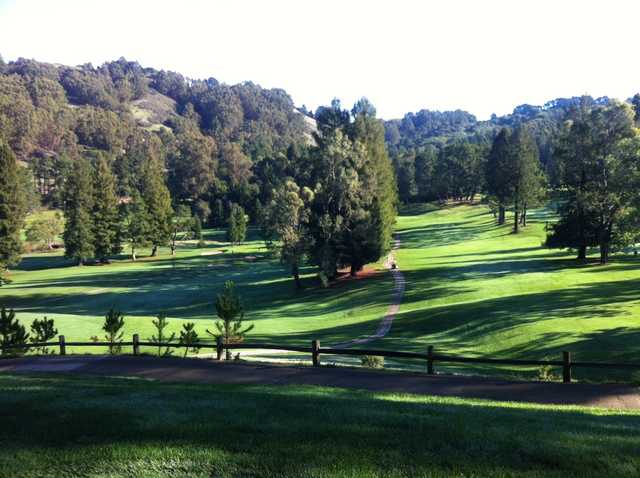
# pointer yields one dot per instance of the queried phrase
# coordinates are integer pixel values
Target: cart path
(399, 285)
(174, 369)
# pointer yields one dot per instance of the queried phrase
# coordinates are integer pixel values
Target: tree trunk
(354, 270)
(133, 254)
(516, 212)
(154, 251)
(524, 216)
(604, 253)
(582, 253)
(173, 249)
(501, 214)
(295, 271)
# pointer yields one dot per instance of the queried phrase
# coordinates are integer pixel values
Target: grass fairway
(185, 286)
(53, 426)
(475, 288)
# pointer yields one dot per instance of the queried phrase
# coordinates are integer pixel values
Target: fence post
(63, 346)
(566, 367)
(430, 360)
(136, 344)
(315, 352)
(219, 347)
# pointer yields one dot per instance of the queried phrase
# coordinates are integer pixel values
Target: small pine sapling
(231, 313)
(189, 338)
(12, 333)
(43, 331)
(160, 324)
(113, 324)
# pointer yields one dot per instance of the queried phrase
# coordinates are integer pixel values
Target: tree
(161, 323)
(45, 230)
(599, 157)
(181, 226)
(106, 222)
(526, 174)
(189, 338)
(43, 331)
(11, 333)
(156, 196)
(229, 309)
(237, 226)
(12, 210)
(498, 171)
(135, 224)
(113, 324)
(285, 222)
(78, 208)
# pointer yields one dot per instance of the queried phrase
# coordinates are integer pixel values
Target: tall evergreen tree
(106, 222)
(498, 171)
(12, 210)
(526, 174)
(237, 227)
(156, 196)
(135, 224)
(78, 208)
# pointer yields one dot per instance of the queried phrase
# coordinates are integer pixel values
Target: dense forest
(137, 157)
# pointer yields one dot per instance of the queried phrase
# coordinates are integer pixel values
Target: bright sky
(484, 56)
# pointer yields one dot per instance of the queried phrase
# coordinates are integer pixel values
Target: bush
(189, 338)
(160, 324)
(372, 361)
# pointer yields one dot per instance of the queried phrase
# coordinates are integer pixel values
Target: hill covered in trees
(133, 154)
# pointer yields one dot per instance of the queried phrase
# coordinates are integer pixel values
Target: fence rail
(430, 357)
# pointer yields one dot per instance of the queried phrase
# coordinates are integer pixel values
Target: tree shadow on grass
(68, 423)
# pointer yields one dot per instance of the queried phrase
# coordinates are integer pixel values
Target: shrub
(372, 361)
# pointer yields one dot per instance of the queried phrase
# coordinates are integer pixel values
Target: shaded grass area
(474, 288)
(185, 286)
(75, 426)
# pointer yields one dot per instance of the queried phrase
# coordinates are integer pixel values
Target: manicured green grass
(185, 287)
(475, 288)
(71, 426)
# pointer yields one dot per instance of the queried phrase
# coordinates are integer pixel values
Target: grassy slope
(474, 288)
(185, 287)
(117, 427)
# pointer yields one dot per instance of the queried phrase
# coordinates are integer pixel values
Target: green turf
(185, 286)
(53, 426)
(474, 288)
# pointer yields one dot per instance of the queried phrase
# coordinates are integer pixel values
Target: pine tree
(229, 309)
(11, 333)
(161, 323)
(106, 222)
(78, 208)
(12, 210)
(498, 171)
(526, 174)
(135, 224)
(237, 227)
(43, 331)
(189, 338)
(113, 324)
(156, 196)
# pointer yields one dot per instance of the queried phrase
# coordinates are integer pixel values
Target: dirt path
(176, 369)
(399, 285)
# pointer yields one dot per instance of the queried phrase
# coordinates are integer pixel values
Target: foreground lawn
(475, 288)
(53, 426)
(185, 286)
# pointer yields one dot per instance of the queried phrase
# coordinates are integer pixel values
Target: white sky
(484, 56)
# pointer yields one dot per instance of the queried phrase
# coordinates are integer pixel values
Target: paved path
(386, 322)
(176, 369)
